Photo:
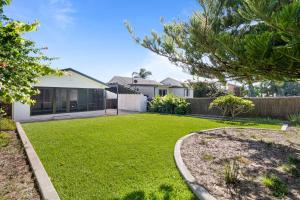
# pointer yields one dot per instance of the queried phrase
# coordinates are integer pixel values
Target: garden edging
(197, 189)
(45, 185)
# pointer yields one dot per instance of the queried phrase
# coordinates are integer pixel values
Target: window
(62, 100)
(95, 99)
(187, 92)
(162, 92)
(44, 102)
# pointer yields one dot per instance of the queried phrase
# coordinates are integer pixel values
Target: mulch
(257, 153)
(16, 179)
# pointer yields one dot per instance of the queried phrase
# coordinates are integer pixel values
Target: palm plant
(143, 73)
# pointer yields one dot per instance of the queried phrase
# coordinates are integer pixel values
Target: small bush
(290, 169)
(295, 119)
(275, 184)
(4, 139)
(232, 105)
(7, 124)
(169, 104)
(231, 172)
(208, 157)
(294, 160)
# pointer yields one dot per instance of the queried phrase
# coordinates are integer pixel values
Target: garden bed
(16, 179)
(259, 156)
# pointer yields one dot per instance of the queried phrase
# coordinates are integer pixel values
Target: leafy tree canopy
(206, 89)
(245, 40)
(21, 62)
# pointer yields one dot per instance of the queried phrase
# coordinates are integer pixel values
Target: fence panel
(274, 107)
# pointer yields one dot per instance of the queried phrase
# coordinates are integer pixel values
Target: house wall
(146, 90)
(21, 112)
(132, 102)
(149, 91)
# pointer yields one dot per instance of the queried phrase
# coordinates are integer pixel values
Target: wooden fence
(274, 107)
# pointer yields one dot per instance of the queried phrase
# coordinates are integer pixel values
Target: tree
(244, 40)
(206, 89)
(232, 105)
(143, 73)
(21, 62)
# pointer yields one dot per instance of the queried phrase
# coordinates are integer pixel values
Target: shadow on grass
(165, 193)
(229, 121)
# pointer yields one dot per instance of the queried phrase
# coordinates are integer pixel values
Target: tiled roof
(133, 81)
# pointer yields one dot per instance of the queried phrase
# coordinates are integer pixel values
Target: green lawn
(119, 157)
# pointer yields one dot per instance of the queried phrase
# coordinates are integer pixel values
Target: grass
(7, 124)
(276, 185)
(118, 157)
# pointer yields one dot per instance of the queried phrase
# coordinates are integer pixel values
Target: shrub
(7, 124)
(295, 119)
(169, 104)
(275, 184)
(232, 105)
(4, 139)
(231, 172)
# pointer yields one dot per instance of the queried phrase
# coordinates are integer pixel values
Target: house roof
(133, 81)
(121, 89)
(82, 74)
(172, 82)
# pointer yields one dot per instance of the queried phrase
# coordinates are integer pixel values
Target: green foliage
(208, 157)
(4, 139)
(21, 62)
(206, 89)
(277, 88)
(7, 124)
(275, 184)
(143, 73)
(249, 40)
(169, 104)
(294, 119)
(232, 105)
(231, 172)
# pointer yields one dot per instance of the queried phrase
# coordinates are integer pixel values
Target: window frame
(100, 106)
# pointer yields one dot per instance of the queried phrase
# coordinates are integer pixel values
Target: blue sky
(89, 35)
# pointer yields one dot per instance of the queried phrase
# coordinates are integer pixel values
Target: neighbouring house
(73, 94)
(233, 89)
(152, 88)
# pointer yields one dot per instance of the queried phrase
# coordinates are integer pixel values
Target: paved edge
(197, 189)
(45, 185)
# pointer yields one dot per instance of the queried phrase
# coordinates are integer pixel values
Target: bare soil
(257, 153)
(16, 179)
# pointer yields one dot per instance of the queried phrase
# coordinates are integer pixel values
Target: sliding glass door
(64, 100)
(61, 100)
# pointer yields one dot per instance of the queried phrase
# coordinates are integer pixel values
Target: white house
(71, 95)
(152, 88)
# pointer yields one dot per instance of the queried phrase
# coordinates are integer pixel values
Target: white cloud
(161, 68)
(62, 12)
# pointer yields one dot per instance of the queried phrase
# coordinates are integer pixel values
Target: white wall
(132, 102)
(21, 113)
